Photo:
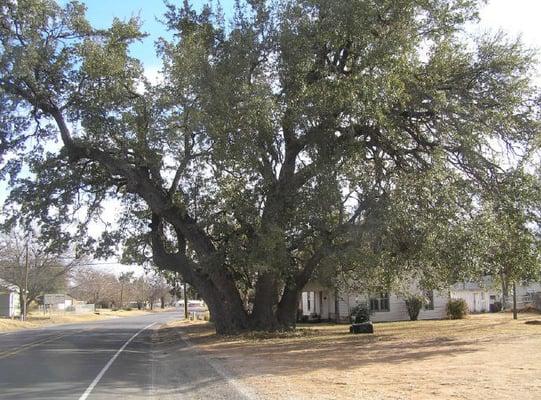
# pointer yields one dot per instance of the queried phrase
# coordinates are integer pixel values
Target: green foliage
(360, 313)
(414, 304)
(456, 308)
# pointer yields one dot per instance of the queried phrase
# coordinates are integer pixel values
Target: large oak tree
(276, 144)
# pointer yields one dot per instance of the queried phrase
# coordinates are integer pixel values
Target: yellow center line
(9, 353)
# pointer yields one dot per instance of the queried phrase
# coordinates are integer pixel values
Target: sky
(101, 13)
(516, 17)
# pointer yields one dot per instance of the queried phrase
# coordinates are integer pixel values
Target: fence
(75, 309)
(199, 315)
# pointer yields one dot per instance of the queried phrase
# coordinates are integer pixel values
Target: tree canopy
(297, 137)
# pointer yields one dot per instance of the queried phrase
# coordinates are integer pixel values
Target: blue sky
(517, 17)
(101, 13)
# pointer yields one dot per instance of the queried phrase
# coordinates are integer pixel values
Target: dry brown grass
(37, 319)
(483, 356)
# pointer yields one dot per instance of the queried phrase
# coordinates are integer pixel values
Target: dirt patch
(484, 356)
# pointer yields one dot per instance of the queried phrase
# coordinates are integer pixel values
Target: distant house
(486, 297)
(57, 302)
(60, 302)
(9, 300)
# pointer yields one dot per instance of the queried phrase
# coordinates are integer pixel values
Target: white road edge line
(108, 365)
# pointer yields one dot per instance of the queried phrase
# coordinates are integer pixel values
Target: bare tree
(141, 291)
(125, 279)
(95, 287)
(159, 289)
(32, 270)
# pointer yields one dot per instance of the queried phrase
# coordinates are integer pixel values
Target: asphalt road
(110, 359)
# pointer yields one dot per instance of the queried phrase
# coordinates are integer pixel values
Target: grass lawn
(484, 356)
(38, 319)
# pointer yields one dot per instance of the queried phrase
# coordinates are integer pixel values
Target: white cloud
(153, 74)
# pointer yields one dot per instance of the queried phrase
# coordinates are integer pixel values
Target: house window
(429, 305)
(374, 304)
(380, 302)
(308, 301)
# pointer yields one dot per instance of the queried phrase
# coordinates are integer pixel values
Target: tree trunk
(211, 279)
(264, 316)
(227, 320)
(21, 305)
(505, 291)
(121, 294)
(514, 300)
(287, 308)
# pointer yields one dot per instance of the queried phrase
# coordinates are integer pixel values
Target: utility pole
(185, 301)
(121, 292)
(514, 300)
(25, 290)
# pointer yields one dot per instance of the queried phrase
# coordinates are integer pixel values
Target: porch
(319, 304)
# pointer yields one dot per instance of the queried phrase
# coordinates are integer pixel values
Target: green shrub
(457, 308)
(360, 313)
(414, 303)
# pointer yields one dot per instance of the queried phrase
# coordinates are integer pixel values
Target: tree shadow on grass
(337, 349)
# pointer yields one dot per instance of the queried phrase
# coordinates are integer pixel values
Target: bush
(496, 307)
(414, 304)
(457, 308)
(302, 319)
(360, 314)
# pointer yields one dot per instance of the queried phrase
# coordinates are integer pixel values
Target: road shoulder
(196, 374)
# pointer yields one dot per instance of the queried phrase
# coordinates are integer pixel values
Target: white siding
(316, 302)
(440, 304)
(397, 307)
(477, 300)
(525, 294)
(397, 311)
(9, 304)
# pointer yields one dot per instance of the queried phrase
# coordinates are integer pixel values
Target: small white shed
(9, 300)
(479, 297)
(58, 302)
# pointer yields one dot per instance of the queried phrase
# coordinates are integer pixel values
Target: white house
(321, 303)
(487, 297)
(9, 300)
